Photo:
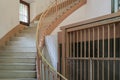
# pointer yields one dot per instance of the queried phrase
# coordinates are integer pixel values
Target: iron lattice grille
(93, 53)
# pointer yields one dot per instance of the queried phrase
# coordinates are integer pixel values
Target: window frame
(113, 6)
(28, 5)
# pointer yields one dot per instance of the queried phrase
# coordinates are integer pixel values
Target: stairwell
(17, 58)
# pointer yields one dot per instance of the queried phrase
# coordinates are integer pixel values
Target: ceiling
(29, 1)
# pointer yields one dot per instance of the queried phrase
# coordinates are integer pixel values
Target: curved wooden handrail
(49, 20)
(40, 48)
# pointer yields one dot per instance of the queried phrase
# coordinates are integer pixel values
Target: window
(115, 5)
(24, 13)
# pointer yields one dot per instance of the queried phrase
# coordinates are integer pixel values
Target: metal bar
(98, 42)
(114, 40)
(63, 51)
(89, 75)
(84, 54)
(103, 52)
(93, 52)
(93, 43)
(73, 55)
(114, 28)
(48, 73)
(89, 43)
(81, 57)
(44, 72)
(70, 56)
(108, 51)
(81, 45)
(70, 46)
(80, 70)
(84, 43)
(97, 70)
(77, 53)
(41, 75)
(98, 55)
(93, 70)
(67, 54)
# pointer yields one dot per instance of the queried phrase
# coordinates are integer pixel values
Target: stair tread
(19, 79)
(16, 64)
(17, 57)
(17, 47)
(4, 48)
(17, 71)
(17, 51)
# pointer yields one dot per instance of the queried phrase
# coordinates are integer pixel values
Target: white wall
(32, 11)
(9, 16)
(38, 6)
(93, 8)
(9, 13)
(42, 5)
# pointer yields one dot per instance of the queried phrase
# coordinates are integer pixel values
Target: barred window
(24, 12)
(115, 5)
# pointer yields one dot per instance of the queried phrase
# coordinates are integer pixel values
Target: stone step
(17, 66)
(21, 44)
(16, 60)
(18, 49)
(29, 31)
(19, 79)
(23, 39)
(18, 46)
(18, 54)
(17, 74)
(26, 35)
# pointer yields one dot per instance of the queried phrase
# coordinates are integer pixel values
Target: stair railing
(55, 11)
(45, 71)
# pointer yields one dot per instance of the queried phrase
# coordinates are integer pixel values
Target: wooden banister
(49, 20)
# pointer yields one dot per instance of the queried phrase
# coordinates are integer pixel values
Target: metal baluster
(85, 54)
(98, 56)
(77, 54)
(103, 53)
(114, 28)
(108, 52)
(81, 57)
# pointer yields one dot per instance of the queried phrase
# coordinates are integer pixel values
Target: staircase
(17, 58)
